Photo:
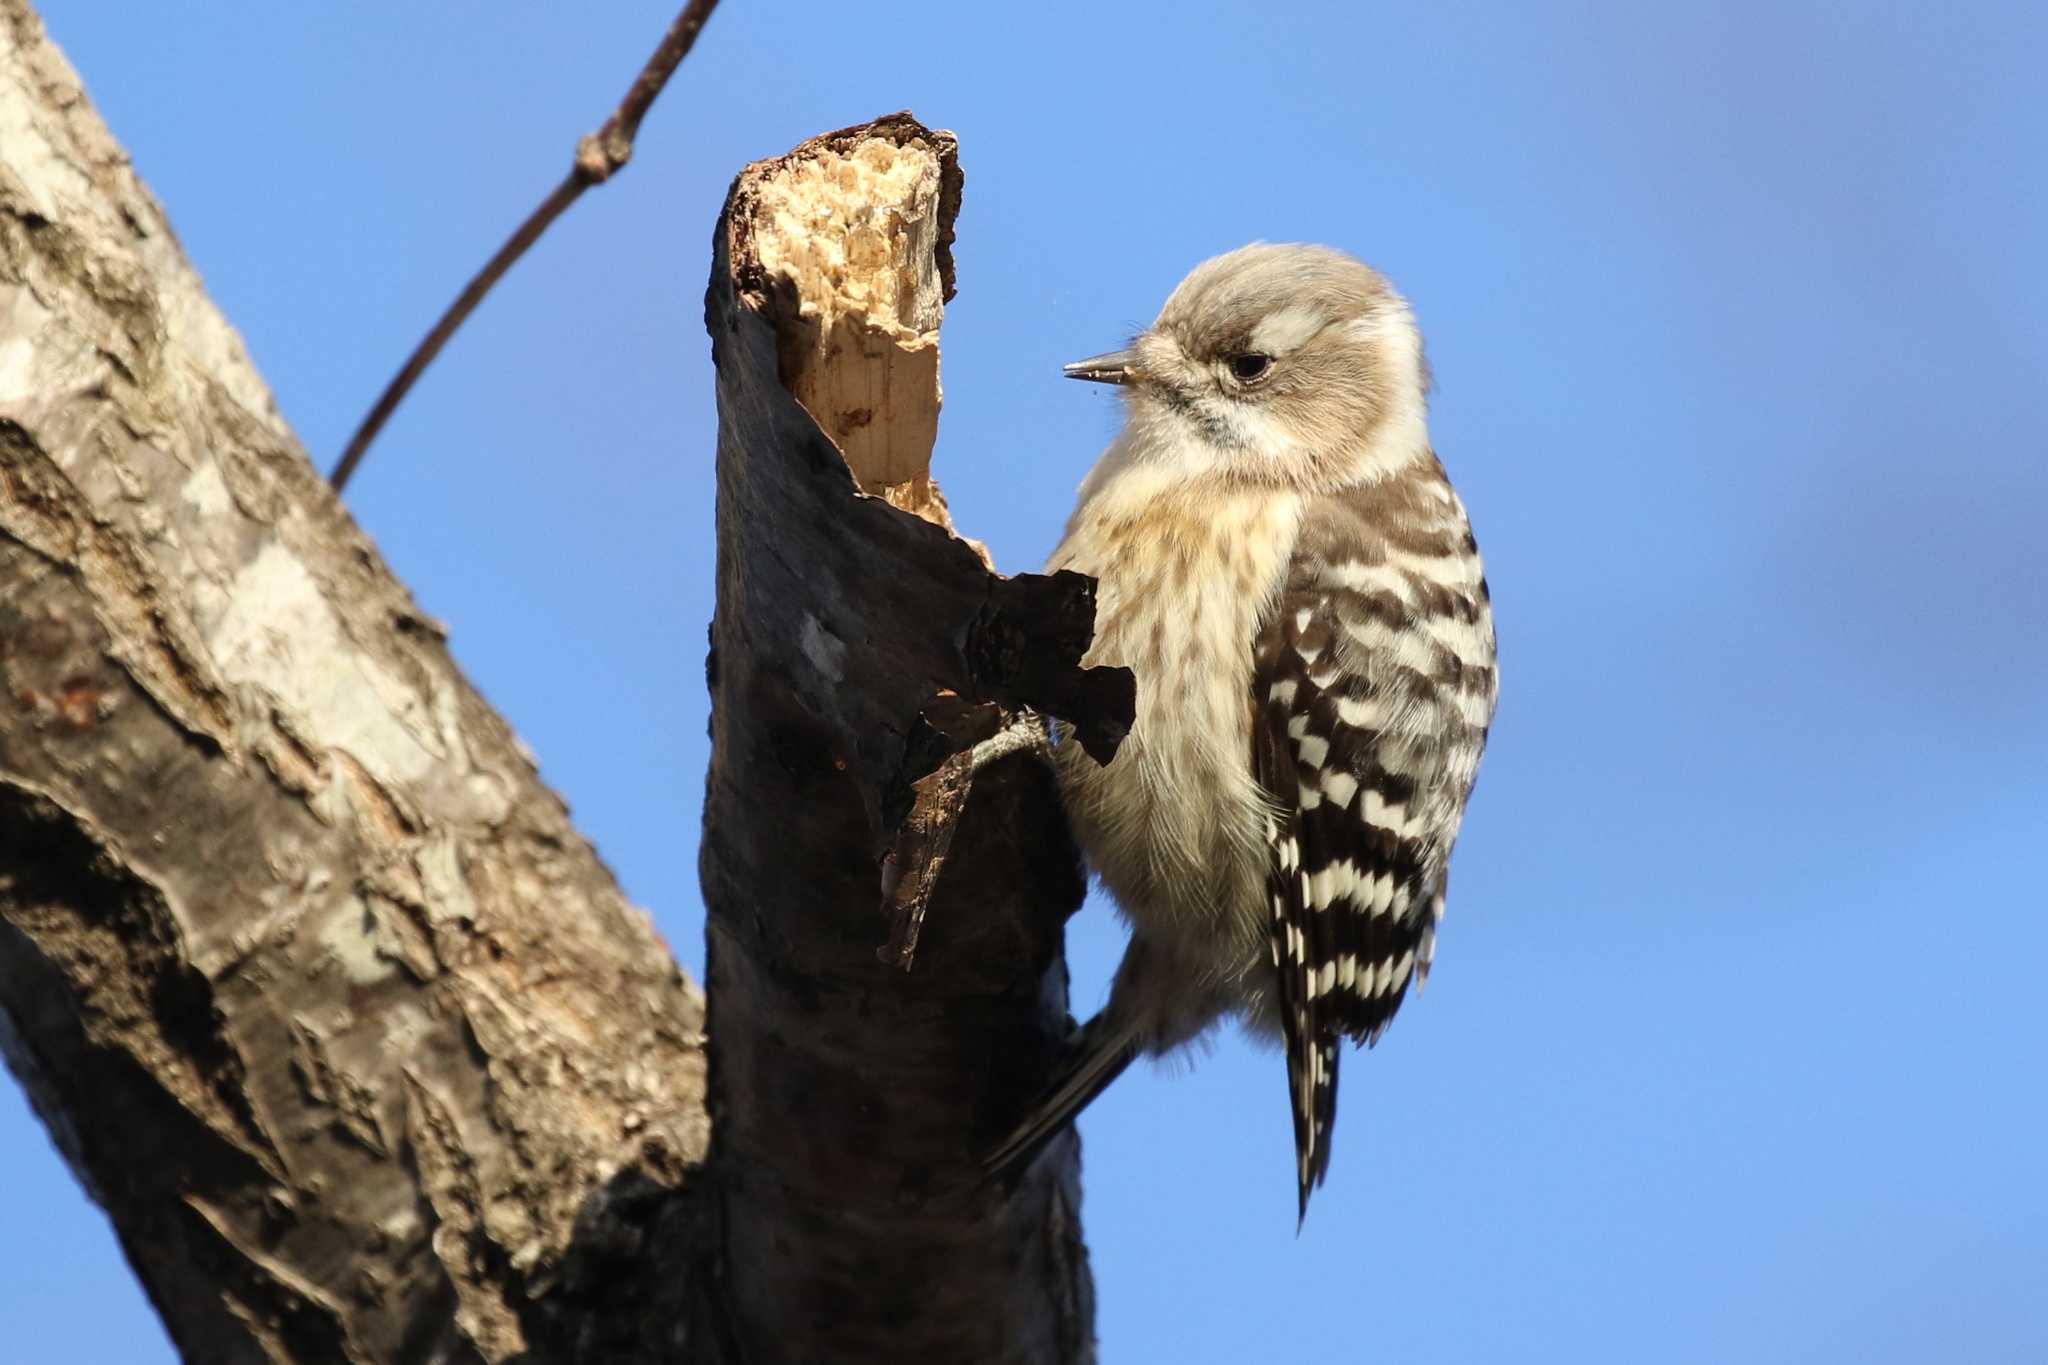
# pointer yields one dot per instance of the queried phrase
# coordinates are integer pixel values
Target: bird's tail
(1312, 1086)
(1099, 1056)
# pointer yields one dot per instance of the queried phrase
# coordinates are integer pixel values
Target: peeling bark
(858, 644)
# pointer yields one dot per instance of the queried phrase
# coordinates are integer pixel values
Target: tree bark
(317, 990)
(858, 643)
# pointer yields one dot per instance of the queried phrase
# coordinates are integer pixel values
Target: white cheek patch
(1393, 327)
(1371, 327)
(1281, 332)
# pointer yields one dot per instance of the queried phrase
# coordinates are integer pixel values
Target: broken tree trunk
(858, 644)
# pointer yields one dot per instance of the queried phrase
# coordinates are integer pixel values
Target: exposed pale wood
(855, 648)
(853, 232)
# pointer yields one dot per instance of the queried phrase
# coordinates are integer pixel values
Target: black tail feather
(1312, 1083)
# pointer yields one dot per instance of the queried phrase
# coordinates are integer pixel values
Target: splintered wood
(854, 236)
(862, 656)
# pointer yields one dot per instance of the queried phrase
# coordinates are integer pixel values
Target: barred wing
(1373, 686)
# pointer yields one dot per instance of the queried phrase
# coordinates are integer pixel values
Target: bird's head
(1287, 364)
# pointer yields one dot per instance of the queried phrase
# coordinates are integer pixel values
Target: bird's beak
(1111, 367)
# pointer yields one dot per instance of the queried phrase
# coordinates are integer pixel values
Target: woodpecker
(1285, 566)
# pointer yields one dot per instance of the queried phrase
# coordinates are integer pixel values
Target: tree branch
(598, 156)
(320, 995)
(316, 988)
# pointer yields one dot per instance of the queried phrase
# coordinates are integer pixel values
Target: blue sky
(1735, 1047)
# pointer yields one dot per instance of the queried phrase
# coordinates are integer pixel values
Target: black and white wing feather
(1373, 686)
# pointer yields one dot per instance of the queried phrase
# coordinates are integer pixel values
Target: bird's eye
(1250, 366)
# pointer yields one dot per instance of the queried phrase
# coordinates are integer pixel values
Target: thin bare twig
(598, 156)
